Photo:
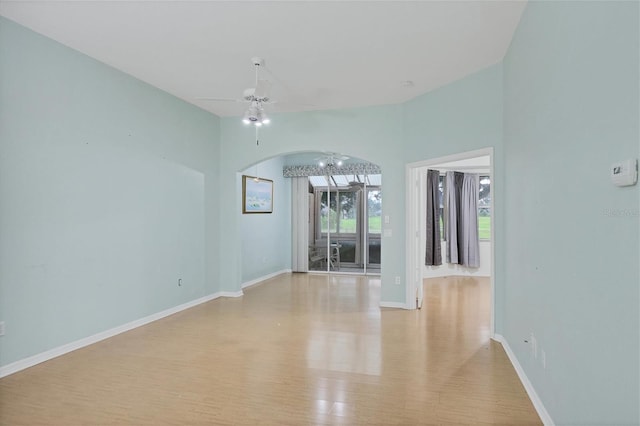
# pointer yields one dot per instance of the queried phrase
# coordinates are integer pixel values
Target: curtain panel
(450, 218)
(461, 219)
(300, 224)
(469, 249)
(433, 254)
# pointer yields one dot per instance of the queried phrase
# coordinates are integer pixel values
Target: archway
(344, 217)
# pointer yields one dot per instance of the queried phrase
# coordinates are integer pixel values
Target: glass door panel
(328, 213)
(348, 212)
(346, 225)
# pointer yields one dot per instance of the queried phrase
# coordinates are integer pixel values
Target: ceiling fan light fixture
(255, 114)
(331, 160)
(246, 118)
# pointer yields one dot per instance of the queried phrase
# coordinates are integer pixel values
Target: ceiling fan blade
(294, 100)
(263, 89)
(220, 100)
(331, 157)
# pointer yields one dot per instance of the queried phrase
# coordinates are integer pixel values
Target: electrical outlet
(543, 358)
(397, 280)
(1, 328)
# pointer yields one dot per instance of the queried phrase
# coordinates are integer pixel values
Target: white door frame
(414, 217)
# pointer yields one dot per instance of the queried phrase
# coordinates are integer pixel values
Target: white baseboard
(264, 278)
(434, 272)
(398, 305)
(19, 365)
(230, 293)
(535, 399)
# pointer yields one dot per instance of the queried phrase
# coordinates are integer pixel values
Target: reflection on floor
(297, 349)
(349, 269)
(371, 269)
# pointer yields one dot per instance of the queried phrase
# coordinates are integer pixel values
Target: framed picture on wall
(257, 195)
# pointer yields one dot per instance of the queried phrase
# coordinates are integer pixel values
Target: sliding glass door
(347, 223)
(374, 228)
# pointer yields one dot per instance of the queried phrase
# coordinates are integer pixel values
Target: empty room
(319, 212)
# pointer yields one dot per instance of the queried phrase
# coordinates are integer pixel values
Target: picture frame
(257, 195)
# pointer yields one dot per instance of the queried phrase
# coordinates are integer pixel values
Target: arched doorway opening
(326, 217)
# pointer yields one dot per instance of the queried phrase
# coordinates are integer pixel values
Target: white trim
(231, 293)
(533, 396)
(413, 222)
(397, 305)
(412, 216)
(454, 157)
(492, 278)
(24, 363)
(264, 278)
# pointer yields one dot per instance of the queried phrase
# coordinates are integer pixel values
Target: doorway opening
(336, 213)
(345, 213)
(480, 164)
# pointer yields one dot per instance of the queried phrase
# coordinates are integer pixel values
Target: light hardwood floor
(298, 349)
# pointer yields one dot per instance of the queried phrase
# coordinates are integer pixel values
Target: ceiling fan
(331, 159)
(356, 183)
(256, 98)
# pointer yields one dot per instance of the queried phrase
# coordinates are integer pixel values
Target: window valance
(345, 169)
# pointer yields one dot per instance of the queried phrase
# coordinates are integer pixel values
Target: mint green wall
(464, 116)
(373, 134)
(109, 195)
(266, 238)
(571, 110)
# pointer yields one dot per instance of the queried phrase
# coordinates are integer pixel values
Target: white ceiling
(330, 54)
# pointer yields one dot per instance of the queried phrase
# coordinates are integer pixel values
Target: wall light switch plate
(625, 173)
(387, 232)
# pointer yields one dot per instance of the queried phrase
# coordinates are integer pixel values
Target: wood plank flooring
(298, 349)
